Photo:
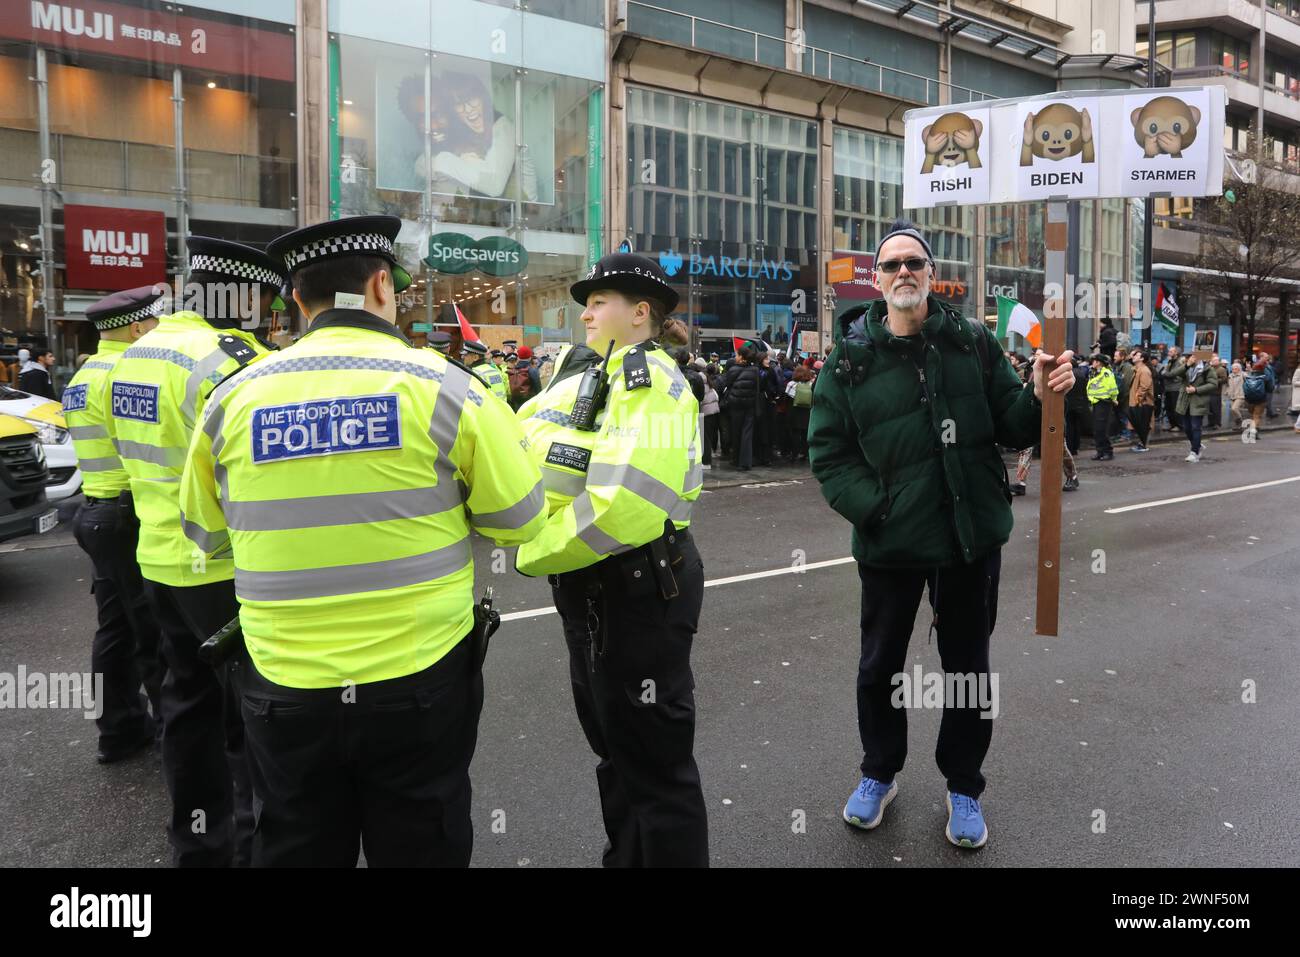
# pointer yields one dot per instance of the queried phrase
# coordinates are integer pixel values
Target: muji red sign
(92, 26)
(114, 248)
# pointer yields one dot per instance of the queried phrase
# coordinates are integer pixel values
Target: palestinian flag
(737, 342)
(1166, 309)
(449, 312)
(1015, 317)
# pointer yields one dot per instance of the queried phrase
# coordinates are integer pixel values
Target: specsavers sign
(494, 255)
(1061, 146)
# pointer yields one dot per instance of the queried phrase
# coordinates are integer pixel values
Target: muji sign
(114, 248)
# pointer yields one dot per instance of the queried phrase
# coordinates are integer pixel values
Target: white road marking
(751, 576)
(1198, 495)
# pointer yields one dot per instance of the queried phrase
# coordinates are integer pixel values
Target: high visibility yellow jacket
(86, 410)
(1102, 387)
(345, 473)
(612, 490)
(157, 389)
(493, 379)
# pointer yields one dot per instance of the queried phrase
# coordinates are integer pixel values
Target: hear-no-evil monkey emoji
(1056, 132)
(1165, 125)
(951, 140)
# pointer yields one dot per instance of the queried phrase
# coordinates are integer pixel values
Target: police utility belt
(638, 573)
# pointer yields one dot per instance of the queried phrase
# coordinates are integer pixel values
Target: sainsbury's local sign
(457, 253)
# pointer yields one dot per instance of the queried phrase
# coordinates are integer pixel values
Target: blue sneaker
(867, 804)
(966, 827)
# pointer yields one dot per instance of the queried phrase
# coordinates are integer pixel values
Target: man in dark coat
(907, 416)
(34, 377)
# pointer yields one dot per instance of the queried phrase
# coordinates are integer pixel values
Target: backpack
(803, 395)
(1255, 388)
(521, 382)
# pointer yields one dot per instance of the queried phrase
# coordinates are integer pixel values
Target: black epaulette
(236, 348)
(636, 369)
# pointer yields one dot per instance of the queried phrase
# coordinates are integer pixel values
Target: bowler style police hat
(236, 262)
(335, 238)
(627, 273)
(128, 306)
(474, 346)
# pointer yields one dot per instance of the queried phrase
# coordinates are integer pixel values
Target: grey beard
(911, 293)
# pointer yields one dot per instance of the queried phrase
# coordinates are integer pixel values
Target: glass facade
(726, 198)
(113, 72)
(485, 142)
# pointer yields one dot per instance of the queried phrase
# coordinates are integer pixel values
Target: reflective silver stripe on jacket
(353, 508)
(444, 424)
(587, 531)
(167, 457)
(517, 515)
(96, 364)
(634, 480)
(563, 483)
(205, 367)
(352, 579)
(206, 541)
(88, 431)
(106, 464)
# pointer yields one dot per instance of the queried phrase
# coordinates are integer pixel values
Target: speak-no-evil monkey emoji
(1057, 132)
(1165, 125)
(951, 140)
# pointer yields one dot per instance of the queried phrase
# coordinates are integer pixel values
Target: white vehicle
(46, 416)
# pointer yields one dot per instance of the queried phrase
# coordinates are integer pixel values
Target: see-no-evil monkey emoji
(1057, 132)
(1165, 125)
(951, 140)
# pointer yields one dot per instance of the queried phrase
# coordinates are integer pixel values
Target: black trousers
(1101, 412)
(381, 766)
(629, 663)
(799, 432)
(1171, 406)
(965, 600)
(742, 436)
(1074, 419)
(203, 737)
(710, 437)
(1140, 417)
(763, 434)
(125, 647)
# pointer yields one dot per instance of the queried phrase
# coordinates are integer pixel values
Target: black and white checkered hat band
(155, 308)
(643, 273)
(355, 243)
(201, 262)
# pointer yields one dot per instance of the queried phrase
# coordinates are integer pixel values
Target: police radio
(593, 390)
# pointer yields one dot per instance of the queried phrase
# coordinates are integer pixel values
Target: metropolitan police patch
(74, 398)
(570, 456)
(365, 423)
(135, 400)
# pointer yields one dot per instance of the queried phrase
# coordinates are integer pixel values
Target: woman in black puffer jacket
(739, 397)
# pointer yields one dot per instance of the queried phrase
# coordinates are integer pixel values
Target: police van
(45, 416)
(24, 508)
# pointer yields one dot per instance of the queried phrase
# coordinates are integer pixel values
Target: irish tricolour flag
(1014, 317)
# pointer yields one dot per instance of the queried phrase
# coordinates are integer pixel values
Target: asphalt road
(1135, 711)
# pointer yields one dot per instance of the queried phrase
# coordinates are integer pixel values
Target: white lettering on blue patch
(74, 398)
(135, 400)
(365, 423)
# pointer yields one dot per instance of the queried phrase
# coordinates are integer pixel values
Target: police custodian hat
(128, 306)
(629, 273)
(237, 263)
(335, 238)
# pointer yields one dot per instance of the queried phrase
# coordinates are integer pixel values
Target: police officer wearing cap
(158, 390)
(622, 471)
(125, 648)
(475, 353)
(345, 474)
(440, 341)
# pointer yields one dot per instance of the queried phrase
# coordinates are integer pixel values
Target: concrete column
(793, 22)
(616, 188)
(978, 249)
(825, 225)
(1096, 259)
(312, 47)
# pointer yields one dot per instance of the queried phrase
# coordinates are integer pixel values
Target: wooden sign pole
(1052, 437)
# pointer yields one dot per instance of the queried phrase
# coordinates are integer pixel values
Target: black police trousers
(965, 599)
(203, 738)
(125, 647)
(629, 663)
(381, 766)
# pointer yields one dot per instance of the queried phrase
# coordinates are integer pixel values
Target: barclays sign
(738, 267)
